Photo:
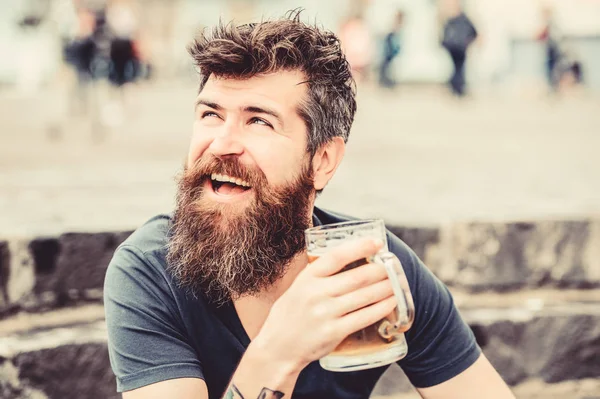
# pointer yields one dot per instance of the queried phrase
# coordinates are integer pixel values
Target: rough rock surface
(79, 263)
(69, 372)
(56, 271)
(510, 256)
(61, 363)
(4, 270)
(17, 274)
(554, 343)
(530, 389)
(10, 385)
(53, 272)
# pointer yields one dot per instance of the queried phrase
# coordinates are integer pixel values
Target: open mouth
(228, 185)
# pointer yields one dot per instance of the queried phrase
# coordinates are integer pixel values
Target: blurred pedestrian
(569, 73)
(79, 52)
(551, 36)
(459, 33)
(30, 56)
(124, 65)
(391, 48)
(357, 46)
(123, 26)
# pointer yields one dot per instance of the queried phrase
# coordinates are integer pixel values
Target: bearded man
(219, 299)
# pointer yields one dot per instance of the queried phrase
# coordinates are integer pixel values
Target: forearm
(262, 374)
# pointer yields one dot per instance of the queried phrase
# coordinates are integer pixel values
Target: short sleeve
(147, 341)
(440, 344)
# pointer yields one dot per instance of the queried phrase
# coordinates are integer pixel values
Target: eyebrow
(209, 104)
(263, 110)
(251, 109)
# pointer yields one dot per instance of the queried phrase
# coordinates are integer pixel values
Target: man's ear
(326, 160)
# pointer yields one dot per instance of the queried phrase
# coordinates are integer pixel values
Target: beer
(372, 339)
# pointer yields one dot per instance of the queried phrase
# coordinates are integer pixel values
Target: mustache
(231, 166)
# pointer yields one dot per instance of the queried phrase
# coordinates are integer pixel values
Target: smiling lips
(228, 185)
(228, 179)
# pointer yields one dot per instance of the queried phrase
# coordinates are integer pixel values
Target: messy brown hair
(240, 52)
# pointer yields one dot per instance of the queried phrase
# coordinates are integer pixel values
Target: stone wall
(510, 256)
(487, 265)
(48, 272)
(60, 362)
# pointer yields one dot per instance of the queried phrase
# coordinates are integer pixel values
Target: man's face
(246, 194)
(254, 122)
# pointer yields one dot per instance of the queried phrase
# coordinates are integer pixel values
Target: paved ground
(415, 157)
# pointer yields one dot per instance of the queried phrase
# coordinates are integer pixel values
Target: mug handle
(405, 310)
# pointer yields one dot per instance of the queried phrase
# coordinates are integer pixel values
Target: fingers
(363, 297)
(366, 316)
(348, 252)
(351, 280)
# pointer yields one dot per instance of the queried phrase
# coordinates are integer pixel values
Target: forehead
(283, 90)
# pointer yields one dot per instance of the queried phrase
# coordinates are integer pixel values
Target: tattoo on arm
(266, 393)
(234, 393)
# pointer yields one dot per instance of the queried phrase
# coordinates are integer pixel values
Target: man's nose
(227, 142)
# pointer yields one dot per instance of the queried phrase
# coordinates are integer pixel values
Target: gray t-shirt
(157, 332)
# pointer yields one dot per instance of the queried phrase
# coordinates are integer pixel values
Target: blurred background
(477, 139)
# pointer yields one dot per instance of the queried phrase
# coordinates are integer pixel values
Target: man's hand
(323, 306)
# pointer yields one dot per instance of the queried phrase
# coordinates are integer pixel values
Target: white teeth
(229, 179)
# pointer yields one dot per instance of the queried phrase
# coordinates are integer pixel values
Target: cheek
(198, 144)
(280, 162)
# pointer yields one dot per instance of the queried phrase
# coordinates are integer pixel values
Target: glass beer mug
(383, 342)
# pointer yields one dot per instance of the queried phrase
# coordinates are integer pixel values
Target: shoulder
(150, 321)
(138, 278)
(152, 236)
(148, 242)
(141, 257)
(322, 216)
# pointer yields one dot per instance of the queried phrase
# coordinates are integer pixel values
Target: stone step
(554, 342)
(551, 342)
(46, 272)
(72, 362)
(588, 388)
(63, 362)
(24, 322)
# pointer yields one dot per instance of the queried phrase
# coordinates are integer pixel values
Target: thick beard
(224, 253)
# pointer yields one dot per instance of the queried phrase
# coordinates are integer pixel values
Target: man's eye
(259, 121)
(209, 113)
